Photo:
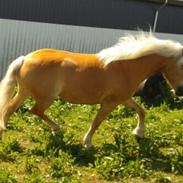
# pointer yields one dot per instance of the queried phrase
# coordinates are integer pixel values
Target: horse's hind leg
(138, 132)
(39, 109)
(10, 108)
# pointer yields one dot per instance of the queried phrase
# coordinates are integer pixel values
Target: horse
(108, 78)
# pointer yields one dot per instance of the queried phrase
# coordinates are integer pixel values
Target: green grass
(30, 153)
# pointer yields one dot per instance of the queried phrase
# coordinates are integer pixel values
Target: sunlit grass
(30, 153)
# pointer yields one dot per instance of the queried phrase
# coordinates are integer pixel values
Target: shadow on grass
(124, 158)
(82, 156)
(169, 162)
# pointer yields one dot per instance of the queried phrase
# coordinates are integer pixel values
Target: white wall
(21, 37)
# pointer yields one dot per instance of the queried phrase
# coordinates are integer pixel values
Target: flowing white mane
(141, 44)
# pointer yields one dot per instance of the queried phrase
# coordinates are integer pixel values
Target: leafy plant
(62, 165)
(30, 153)
(6, 177)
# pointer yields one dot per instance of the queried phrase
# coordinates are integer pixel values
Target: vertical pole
(157, 14)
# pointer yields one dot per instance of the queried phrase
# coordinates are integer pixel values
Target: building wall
(21, 37)
(116, 14)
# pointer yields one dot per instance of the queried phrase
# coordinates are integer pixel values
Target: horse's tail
(8, 83)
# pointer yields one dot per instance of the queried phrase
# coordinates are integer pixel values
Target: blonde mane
(141, 44)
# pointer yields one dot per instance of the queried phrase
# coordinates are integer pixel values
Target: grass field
(29, 153)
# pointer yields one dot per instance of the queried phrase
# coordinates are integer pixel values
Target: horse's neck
(143, 68)
(150, 65)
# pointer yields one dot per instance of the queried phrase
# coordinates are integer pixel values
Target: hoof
(56, 131)
(87, 141)
(88, 146)
(138, 139)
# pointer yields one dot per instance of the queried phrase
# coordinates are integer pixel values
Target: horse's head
(173, 72)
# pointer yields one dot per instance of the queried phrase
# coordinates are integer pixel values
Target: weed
(31, 164)
(9, 150)
(6, 177)
(116, 156)
(162, 178)
(35, 178)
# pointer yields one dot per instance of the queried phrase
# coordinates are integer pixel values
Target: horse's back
(79, 78)
(52, 55)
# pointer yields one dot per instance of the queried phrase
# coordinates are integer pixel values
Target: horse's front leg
(138, 132)
(105, 109)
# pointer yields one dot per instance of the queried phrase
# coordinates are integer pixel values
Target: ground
(30, 153)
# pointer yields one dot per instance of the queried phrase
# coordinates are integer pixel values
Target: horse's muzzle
(179, 91)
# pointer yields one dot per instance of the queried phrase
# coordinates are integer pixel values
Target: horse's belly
(82, 97)
(83, 87)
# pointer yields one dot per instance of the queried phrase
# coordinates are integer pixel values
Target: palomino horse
(108, 78)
